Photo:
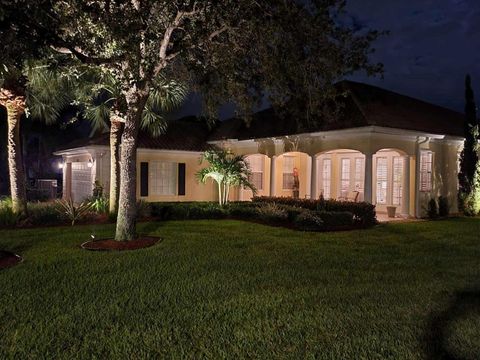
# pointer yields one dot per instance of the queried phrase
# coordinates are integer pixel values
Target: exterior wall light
(90, 163)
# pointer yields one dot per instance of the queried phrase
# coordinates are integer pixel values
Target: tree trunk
(115, 135)
(15, 110)
(127, 203)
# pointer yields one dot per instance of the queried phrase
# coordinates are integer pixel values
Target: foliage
(97, 191)
(243, 210)
(144, 209)
(293, 212)
(443, 206)
(184, 211)
(44, 214)
(336, 219)
(214, 45)
(272, 213)
(73, 212)
(100, 205)
(469, 174)
(309, 221)
(8, 218)
(227, 170)
(363, 213)
(432, 209)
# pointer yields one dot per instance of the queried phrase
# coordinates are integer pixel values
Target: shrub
(363, 213)
(144, 209)
(73, 212)
(272, 213)
(336, 219)
(293, 212)
(206, 211)
(100, 205)
(443, 206)
(432, 209)
(44, 214)
(243, 210)
(7, 217)
(308, 221)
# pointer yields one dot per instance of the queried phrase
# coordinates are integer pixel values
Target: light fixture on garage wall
(61, 164)
(90, 163)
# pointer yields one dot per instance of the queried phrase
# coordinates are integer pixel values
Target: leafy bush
(293, 212)
(144, 209)
(432, 209)
(443, 206)
(308, 221)
(7, 217)
(44, 214)
(187, 210)
(100, 205)
(363, 213)
(73, 212)
(336, 219)
(243, 210)
(272, 213)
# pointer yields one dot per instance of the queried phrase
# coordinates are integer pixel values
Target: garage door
(82, 183)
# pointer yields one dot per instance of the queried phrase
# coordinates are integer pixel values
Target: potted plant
(391, 210)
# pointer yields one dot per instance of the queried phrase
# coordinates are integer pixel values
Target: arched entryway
(292, 175)
(260, 176)
(339, 174)
(391, 181)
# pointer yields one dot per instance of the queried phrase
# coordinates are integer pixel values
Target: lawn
(231, 289)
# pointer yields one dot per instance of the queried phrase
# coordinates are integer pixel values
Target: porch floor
(383, 218)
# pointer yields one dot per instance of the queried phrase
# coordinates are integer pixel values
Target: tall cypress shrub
(469, 174)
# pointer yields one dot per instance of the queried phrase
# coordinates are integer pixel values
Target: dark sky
(431, 46)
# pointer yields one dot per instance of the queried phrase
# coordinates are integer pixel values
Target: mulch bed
(112, 245)
(8, 259)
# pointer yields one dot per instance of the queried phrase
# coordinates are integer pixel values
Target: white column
(406, 192)
(308, 190)
(367, 188)
(417, 183)
(272, 175)
(313, 192)
(67, 181)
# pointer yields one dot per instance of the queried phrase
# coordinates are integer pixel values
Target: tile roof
(186, 134)
(365, 105)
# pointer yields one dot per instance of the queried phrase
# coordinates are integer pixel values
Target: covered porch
(385, 178)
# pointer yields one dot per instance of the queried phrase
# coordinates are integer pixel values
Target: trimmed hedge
(187, 210)
(308, 221)
(363, 213)
(336, 219)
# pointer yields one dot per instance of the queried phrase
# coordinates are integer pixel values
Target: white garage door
(82, 183)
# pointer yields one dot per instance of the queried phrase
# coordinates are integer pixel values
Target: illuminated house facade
(386, 148)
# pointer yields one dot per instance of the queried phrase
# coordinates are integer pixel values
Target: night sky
(431, 46)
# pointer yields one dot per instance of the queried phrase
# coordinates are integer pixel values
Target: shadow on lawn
(438, 330)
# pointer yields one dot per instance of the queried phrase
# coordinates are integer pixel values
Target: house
(384, 148)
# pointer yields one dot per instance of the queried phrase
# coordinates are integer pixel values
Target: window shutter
(144, 179)
(181, 179)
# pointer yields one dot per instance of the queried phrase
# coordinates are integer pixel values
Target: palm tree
(99, 93)
(33, 90)
(227, 170)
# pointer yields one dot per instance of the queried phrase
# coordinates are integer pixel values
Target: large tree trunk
(127, 203)
(15, 106)
(115, 134)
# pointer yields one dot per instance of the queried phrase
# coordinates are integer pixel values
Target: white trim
(98, 148)
(365, 130)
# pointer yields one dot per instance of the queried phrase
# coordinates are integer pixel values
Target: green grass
(230, 289)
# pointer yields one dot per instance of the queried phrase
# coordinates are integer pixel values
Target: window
(256, 163)
(345, 178)
(382, 180)
(163, 178)
(426, 162)
(359, 174)
(288, 165)
(326, 178)
(398, 163)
